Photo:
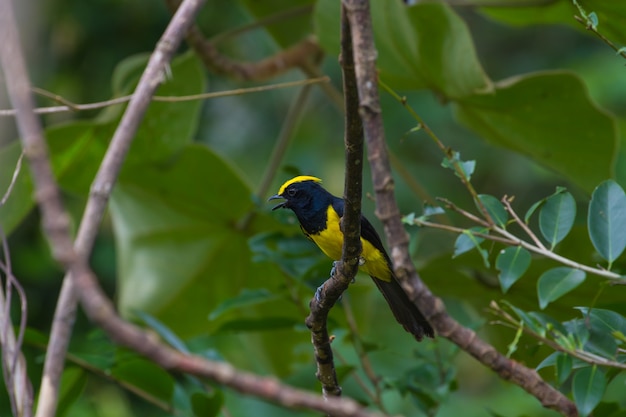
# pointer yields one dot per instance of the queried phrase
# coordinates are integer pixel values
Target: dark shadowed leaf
(73, 383)
(146, 376)
(207, 404)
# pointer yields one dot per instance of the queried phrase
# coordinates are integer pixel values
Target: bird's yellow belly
(330, 241)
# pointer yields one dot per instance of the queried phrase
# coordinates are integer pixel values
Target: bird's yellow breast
(330, 241)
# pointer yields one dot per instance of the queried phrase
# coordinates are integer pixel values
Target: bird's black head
(304, 195)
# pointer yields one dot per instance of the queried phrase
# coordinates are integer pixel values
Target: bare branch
(16, 379)
(296, 56)
(345, 270)
(69, 106)
(16, 173)
(388, 212)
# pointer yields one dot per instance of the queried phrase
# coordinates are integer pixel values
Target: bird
(319, 214)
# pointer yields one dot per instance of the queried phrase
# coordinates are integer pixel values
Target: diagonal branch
(388, 212)
(100, 191)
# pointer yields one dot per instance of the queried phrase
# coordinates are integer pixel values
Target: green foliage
(202, 264)
(424, 46)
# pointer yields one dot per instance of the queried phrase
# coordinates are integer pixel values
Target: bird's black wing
(403, 309)
(368, 232)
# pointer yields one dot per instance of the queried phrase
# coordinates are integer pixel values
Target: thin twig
(16, 380)
(584, 356)
(69, 106)
(16, 173)
(448, 152)
(368, 369)
(507, 205)
(619, 51)
(347, 267)
(263, 22)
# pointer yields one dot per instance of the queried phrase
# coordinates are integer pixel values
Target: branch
(97, 306)
(296, 56)
(99, 194)
(388, 212)
(585, 22)
(346, 269)
(16, 379)
(69, 106)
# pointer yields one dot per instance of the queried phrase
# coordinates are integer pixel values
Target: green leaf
(564, 365)
(540, 203)
(468, 241)
(167, 127)
(603, 320)
(467, 167)
(180, 252)
(495, 209)
(426, 45)
(512, 263)
(245, 298)
(556, 217)
(73, 383)
(588, 388)
(557, 282)
(607, 220)
(538, 115)
(146, 376)
(207, 404)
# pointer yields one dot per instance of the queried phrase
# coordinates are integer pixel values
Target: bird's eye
(291, 192)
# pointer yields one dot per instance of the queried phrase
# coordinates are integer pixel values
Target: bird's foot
(318, 293)
(334, 268)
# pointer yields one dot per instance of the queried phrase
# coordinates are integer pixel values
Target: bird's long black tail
(403, 309)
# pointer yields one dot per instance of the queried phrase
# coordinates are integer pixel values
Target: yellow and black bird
(319, 214)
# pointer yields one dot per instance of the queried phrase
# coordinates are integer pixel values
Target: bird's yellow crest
(300, 178)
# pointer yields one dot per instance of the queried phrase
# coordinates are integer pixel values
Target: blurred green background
(170, 246)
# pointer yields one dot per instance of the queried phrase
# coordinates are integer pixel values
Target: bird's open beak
(274, 197)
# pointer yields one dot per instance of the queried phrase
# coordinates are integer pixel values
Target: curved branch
(51, 204)
(388, 212)
(298, 55)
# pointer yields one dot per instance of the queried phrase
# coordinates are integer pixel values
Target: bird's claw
(333, 269)
(318, 293)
